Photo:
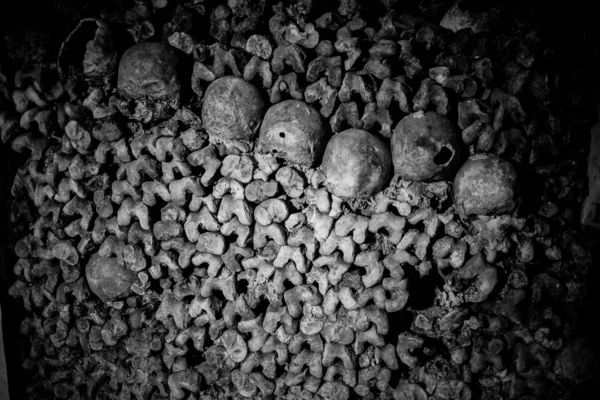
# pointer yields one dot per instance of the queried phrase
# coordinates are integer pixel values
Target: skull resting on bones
(108, 279)
(232, 109)
(356, 164)
(425, 147)
(293, 130)
(148, 73)
(484, 185)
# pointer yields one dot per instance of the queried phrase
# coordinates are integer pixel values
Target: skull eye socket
(443, 156)
(282, 135)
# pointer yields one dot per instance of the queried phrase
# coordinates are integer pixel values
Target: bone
(201, 231)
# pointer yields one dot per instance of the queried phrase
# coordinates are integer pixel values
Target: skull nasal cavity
(443, 156)
(282, 135)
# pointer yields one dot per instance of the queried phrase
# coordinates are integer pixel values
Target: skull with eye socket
(425, 147)
(294, 131)
(148, 75)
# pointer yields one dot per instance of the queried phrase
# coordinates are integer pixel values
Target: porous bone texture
(232, 109)
(356, 164)
(293, 130)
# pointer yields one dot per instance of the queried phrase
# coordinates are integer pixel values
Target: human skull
(485, 185)
(425, 147)
(108, 279)
(293, 130)
(148, 71)
(356, 164)
(232, 109)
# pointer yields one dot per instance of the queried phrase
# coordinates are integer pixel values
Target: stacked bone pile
(328, 209)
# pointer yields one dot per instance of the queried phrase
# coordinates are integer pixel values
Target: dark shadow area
(12, 309)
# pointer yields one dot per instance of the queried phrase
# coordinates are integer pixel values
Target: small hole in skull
(443, 156)
(282, 135)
